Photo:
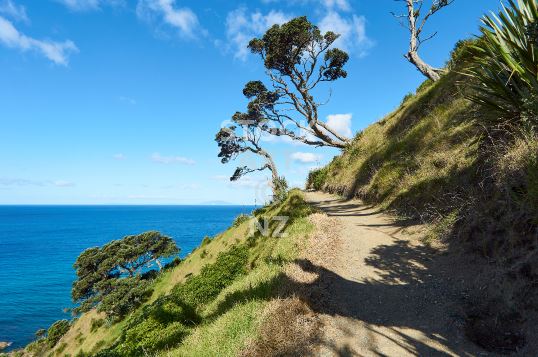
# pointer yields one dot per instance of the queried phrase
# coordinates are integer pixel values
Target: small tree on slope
(110, 277)
(232, 144)
(298, 58)
(414, 21)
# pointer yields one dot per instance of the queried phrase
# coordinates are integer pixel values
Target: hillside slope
(212, 303)
(436, 160)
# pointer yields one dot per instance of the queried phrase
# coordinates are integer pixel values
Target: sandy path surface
(389, 294)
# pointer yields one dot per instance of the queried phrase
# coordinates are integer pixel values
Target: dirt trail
(390, 295)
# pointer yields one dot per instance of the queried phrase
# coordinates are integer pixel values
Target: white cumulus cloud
(156, 157)
(352, 31)
(305, 157)
(341, 123)
(242, 26)
(57, 52)
(182, 19)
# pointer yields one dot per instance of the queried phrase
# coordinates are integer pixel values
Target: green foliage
(121, 296)
(110, 277)
(317, 178)
(56, 331)
(205, 241)
(407, 97)
(239, 220)
(462, 54)
(201, 288)
(96, 324)
(285, 46)
(506, 61)
(40, 333)
(281, 189)
(160, 325)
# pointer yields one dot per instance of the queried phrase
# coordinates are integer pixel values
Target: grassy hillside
(212, 303)
(439, 159)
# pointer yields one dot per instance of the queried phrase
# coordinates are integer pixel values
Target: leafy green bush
(56, 331)
(407, 97)
(202, 288)
(96, 324)
(317, 178)
(506, 61)
(160, 325)
(206, 241)
(281, 189)
(123, 296)
(151, 336)
(242, 218)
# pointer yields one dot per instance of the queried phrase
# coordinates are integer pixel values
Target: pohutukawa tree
(111, 278)
(298, 58)
(243, 136)
(414, 20)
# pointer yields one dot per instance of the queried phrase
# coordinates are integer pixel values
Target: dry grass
(288, 328)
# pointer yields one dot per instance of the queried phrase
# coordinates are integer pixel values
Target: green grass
(211, 303)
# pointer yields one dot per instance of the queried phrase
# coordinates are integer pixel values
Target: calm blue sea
(39, 244)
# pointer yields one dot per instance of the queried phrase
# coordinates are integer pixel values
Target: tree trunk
(271, 166)
(423, 67)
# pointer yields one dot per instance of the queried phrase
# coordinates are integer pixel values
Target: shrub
(206, 241)
(123, 296)
(56, 332)
(202, 288)
(317, 178)
(160, 325)
(151, 336)
(96, 324)
(281, 189)
(242, 218)
(505, 61)
(174, 263)
(407, 97)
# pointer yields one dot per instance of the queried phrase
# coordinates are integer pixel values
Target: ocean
(39, 244)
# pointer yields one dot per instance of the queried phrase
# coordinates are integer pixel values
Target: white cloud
(156, 157)
(57, 52)
(341, 123)
(127, 100)
(241, 27)
(352, 31)
(305, 157)
(85, 5)
(337, 4)
(8, 181)
(62, 183)
(183, 19)
(119, 156)
(16, 12)
(79, 5)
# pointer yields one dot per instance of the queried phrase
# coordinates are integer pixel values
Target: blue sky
(118, 102)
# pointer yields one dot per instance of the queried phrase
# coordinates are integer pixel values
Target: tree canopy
(111, 277)
(243, 136)
(298, 58)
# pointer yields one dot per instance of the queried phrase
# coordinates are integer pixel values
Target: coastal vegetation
(460, 155)
(298, 59)
(209, 303)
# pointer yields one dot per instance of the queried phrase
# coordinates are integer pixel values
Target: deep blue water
(39, 244)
